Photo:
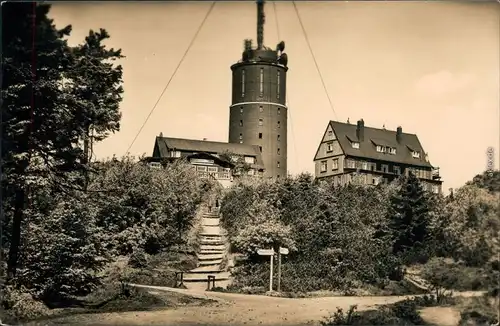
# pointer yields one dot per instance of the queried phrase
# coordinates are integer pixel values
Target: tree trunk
(15, 242)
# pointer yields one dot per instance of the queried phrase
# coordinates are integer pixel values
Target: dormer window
(415, 154)
(380, 149)
(329, 147)
(392, 150)
(355, 144)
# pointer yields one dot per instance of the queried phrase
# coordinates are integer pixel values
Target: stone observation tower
(258, 112)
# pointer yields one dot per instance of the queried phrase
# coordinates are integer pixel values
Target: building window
(201, 168)
(175, 154)
(261, 122)
(241, 123)
(330, 132)
(415, 154)
(155, 165)
(322, 167)
(385, 168)
(251, 172)
(278, 164)
(261, 87)
(355, 144)
(278, 84)
(392, 150)
(260, 135)
(279, 124)
(364, 165)
(335, 165)
(397, 170)
(260, 149)
(380, 149)
(212, 169)
(329, 147)
(249, 159)
(241, 110)
(278, 151)
(243, 83)
(278, 137)
(241, 136)
(279, 111)
(261, 109)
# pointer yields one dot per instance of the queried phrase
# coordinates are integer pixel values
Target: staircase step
(205, 269)
(210, 256)
(211, 242)
(221, 276)
(210, 262)
(207, 235)
(211, 252)
(212, 247)
(210, 222)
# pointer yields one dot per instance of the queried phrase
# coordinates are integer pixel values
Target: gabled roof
(346, 133)
(164, 144)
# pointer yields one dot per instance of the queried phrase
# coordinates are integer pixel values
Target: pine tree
(409, 218)
(43, 116)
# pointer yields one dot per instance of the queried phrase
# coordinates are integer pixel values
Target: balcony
(435, 174)
(214, 175)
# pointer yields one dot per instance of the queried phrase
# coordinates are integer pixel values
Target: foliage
(20, 306)
(404, 312)
(43, 117)
(138, 259)
(146, 208)
(240, 167)
(409, 220)
(489, 180)
(62, 250)
(442, 275)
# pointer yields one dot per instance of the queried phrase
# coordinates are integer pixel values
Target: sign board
(284, 251)
(265, 252)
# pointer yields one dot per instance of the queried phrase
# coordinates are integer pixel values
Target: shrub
(21, 306)
(138, 259)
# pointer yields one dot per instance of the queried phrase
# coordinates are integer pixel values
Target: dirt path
(238, 309)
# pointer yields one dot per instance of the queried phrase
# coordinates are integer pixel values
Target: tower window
(241, 123)
(278, 84)
(243, 83)
(260, 149)
(261, 122)
(278, 164)
(261, 87)
(261, 109)
(260, 135)
(241, 109)
(279, 111)
(241, 136)
(278, 137)
(278, 151)
(279, 124)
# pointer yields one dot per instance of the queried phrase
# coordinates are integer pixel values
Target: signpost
(268, 252)
(271, 252)
(282, 251)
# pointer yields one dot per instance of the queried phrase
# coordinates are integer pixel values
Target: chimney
(204, 139)
(161, 135)
(360, 130)
(399, 133)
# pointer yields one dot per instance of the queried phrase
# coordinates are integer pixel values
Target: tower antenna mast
(260, 24)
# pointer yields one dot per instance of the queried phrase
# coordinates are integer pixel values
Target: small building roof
(166, 144)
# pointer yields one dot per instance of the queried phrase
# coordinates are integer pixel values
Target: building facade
(351, 153)
(258, 111)
(208, 158)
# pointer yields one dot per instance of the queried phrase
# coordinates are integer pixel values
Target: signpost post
(282, 251)
(268, 252)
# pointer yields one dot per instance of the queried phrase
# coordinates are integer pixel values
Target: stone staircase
(211, 253)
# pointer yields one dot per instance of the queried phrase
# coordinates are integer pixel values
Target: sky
(432, 68)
